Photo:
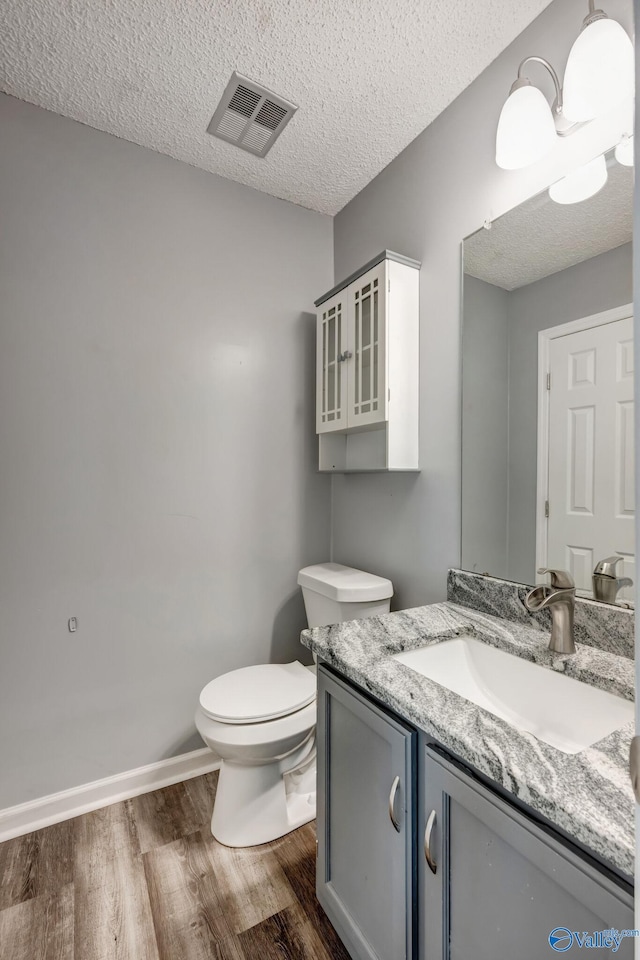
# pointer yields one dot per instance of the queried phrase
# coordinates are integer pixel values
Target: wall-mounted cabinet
(368, 368)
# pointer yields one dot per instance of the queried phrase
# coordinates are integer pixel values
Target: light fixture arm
(557, 106)
(598, 76)
(593, 15)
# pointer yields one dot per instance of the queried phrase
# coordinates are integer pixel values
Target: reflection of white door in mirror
(585, 447)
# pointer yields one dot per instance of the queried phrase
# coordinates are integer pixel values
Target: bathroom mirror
(547, 392)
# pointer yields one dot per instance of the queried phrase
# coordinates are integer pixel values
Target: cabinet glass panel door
(367, 366)
(331, 411)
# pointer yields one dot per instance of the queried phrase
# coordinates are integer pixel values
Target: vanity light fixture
(581, 183)
(599, 75)
(526, 128)
(600, 68)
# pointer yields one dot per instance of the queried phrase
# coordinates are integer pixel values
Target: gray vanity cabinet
(502, 883)
(365, 875)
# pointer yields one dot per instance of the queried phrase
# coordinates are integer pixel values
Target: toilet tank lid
(344, 584)
(262, 692)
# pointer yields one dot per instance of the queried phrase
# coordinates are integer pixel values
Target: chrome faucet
(560, 598)
(605, 582)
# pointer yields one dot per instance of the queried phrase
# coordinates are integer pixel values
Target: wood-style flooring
(145, 880)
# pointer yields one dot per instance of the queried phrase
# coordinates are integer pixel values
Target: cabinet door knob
(392, 803)
(433, 866)
(344, 356)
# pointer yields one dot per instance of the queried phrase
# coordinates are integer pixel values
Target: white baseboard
(35, 814)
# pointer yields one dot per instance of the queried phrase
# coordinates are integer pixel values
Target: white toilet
(261, 720)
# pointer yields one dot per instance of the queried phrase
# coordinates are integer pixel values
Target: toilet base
(257, 803)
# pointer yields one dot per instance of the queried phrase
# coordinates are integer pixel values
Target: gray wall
(485, 427)
(439, 190)
(591, 287)
(158, 472)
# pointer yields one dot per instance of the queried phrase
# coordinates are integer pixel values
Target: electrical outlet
(73, 624)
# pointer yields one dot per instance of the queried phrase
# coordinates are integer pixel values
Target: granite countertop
(588, 794)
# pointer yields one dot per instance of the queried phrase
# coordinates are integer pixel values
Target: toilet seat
(271, 738)
(258, 694)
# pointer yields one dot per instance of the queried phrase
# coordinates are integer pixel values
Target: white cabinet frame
(367, 389)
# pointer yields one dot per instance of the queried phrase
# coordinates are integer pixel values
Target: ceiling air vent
(250, 116)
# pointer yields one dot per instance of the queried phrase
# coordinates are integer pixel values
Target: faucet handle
(560, 579)
(607, 567)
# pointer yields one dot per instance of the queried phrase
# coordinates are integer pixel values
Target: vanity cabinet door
(502, 883)
(365, 815)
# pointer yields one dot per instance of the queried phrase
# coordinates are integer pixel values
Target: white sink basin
(559, 710)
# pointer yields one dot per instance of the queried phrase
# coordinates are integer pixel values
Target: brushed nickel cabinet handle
(433, 866)
(392, 803)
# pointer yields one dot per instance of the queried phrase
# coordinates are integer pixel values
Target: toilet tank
(334, 593)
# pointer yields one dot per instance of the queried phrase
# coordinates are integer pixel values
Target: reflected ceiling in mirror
(547, 475)
(541, 237)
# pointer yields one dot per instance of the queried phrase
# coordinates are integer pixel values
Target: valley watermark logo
(562, 939)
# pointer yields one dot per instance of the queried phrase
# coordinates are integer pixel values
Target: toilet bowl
(260, 720)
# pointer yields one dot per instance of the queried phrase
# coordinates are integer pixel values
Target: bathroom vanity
(444, 831)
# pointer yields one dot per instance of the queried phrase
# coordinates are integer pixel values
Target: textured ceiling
(367, 76)
(541, 237)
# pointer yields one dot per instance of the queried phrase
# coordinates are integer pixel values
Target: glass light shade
(526, 131)
(599, 71)
(624, 152)
(581, 183)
